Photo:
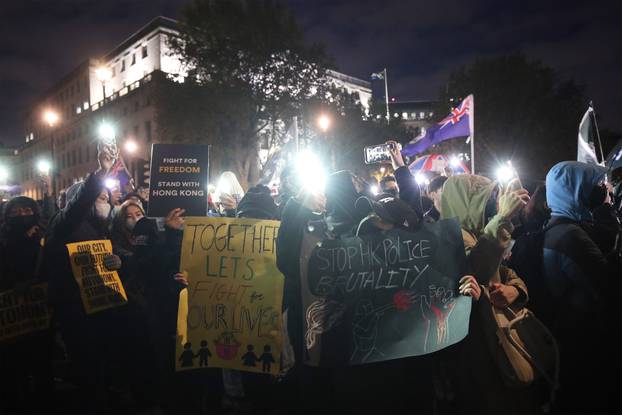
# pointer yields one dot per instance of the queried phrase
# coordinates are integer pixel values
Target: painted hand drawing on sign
(384, 296)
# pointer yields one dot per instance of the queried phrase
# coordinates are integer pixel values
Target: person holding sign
(90, 339)
(485, 212)
(25, 341)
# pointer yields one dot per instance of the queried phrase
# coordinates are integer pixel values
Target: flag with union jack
(459, 123)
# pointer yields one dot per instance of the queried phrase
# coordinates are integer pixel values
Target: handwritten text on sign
(24, 313)
(100, 288)
(232, 312)
(383, 296)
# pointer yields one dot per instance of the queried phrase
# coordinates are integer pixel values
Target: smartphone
(378, 154)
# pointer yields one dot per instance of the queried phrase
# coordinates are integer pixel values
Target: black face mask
(392, 192)
(21, 224)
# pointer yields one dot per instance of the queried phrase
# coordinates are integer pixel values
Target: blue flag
(458, 123)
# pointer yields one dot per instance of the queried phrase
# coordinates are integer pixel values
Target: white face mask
(130, 223)
(102, 210)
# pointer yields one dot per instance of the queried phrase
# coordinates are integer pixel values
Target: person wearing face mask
(388, 185)
(27, 357)
(89, 339)
(583, 287)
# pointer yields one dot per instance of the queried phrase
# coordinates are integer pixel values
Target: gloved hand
(112, 262)
(511, 201)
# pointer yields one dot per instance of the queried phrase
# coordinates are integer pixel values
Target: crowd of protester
(556, 251)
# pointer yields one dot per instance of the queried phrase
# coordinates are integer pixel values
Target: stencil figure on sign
(250, 358)
(436, 310)
(187, 357)
(266, 358)
(365, 324)
(203, 354)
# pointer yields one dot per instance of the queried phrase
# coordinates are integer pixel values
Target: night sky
(420, 42)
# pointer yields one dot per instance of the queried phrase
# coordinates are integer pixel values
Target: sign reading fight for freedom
(100, 288)
(24, 313)
(383, 296)
(178, 179)
(230, 314)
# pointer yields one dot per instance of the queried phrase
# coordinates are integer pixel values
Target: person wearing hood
(21, 241)
(485, 212)
(89, 339)
(301, 217)
(583, 290)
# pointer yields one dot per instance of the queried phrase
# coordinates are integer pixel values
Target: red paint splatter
(401, 300)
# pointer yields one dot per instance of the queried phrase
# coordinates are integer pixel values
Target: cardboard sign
(178, 179)
(100, 288)
(24, 313)
(230, 314)
(383, 296)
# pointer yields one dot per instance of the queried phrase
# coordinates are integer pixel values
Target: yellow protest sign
(24, 313)
(230, 314)
(100, 288)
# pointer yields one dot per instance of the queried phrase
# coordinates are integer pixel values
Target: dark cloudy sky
(419, 41)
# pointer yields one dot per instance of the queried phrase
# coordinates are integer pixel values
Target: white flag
(586, 151)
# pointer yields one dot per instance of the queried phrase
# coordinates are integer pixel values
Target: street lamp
(44, 167)
(131, 146)
(103, 74)
(323, 122)
(50, 117)
(4, 174)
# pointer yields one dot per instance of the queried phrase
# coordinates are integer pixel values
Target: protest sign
(230, 314)
(100, 288)
(383, 296)
(178, 179)
(24, 313)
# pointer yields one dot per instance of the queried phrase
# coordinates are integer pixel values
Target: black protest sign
(179, 178)
(22, 313)
(383, 296)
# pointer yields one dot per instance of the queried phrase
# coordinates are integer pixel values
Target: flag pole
(472, 122)
(600, 144)
(386, 95)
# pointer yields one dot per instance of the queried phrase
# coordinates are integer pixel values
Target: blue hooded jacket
(568, 188)
(574, 266)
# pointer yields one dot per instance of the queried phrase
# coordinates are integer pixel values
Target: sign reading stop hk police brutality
(230, 314)
(178, 179)
(383, 296)
(100, 288)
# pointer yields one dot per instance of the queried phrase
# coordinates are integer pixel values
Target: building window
(144, 52)
(133, 58)
(78, 110)
(85, 106)
(148, 130)
(422, 115)
(404, 116)
(122, 65)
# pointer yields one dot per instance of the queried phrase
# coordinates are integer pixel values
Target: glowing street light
(44, 167)
(106, 132)
(103, 74)
(4, 174)
(131, 146)
(324, 122)
(50, 117)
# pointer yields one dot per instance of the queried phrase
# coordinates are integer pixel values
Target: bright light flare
(103, 73)
(506, 172)
(382, 170)
(44, 167)
(310, 171)
(323, 122)
(50, 117)
(374, 190)
(454, 161)
(106, 132)
(4, 173)
(421, 179)
(131, 146)
(111, 183)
